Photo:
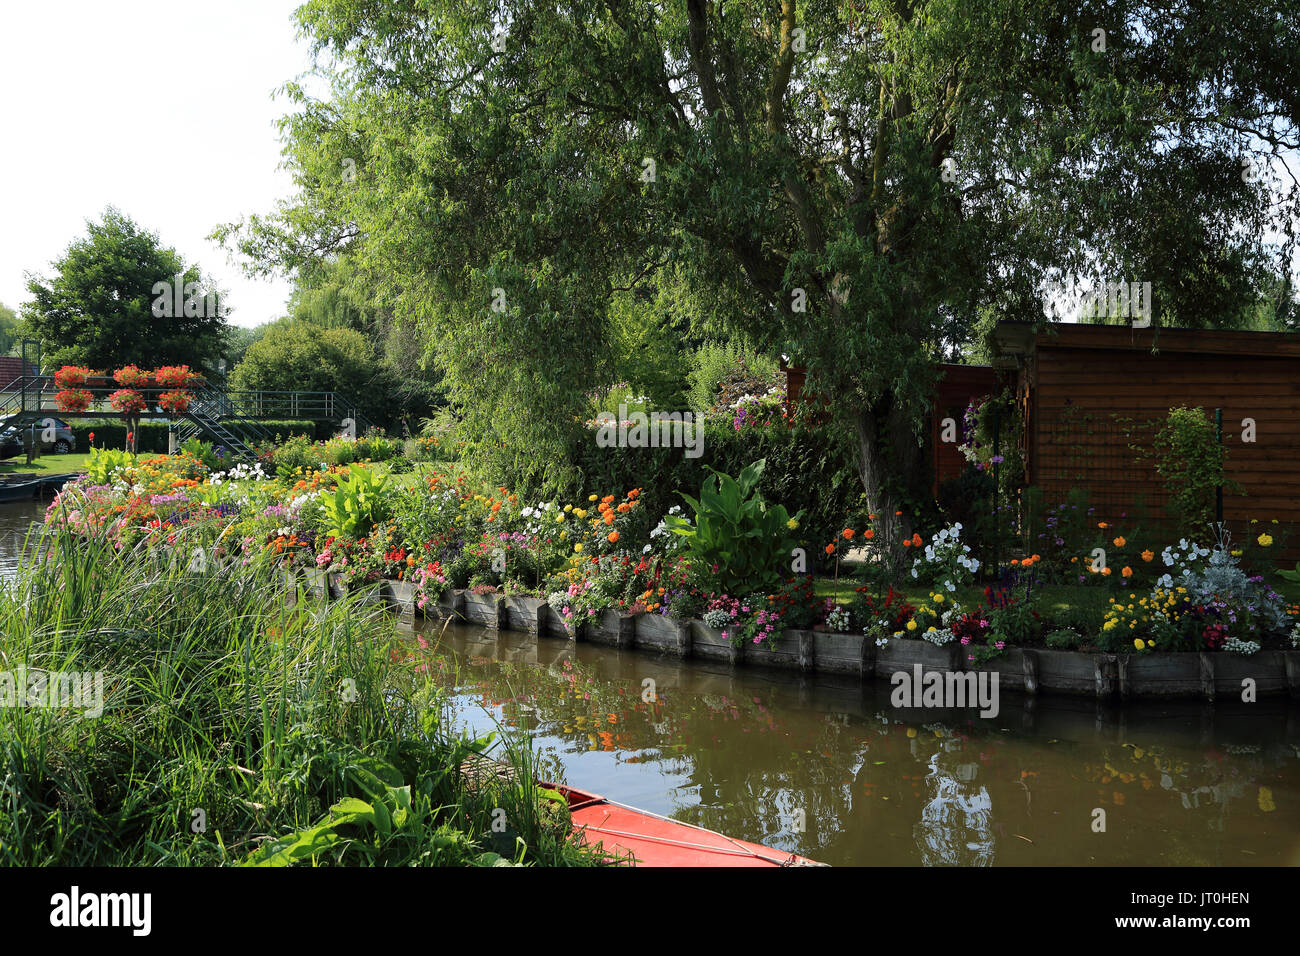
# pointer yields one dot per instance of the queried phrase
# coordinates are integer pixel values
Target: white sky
(163, 108)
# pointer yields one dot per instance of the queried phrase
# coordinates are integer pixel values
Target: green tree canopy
(302, 356)
(845, 181)
(10, 329)
(100, 308)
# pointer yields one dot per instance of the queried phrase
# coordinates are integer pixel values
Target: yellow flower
(568, 507)
(911, 625)
(792, 524)
(559, 519)
(939, 598)
(1139, 643)
(1265, 540)
(591, 497)
(577, 547)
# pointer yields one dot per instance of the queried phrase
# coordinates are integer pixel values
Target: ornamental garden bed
(1178, 619)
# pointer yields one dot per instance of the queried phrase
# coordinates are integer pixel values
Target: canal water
(826, 767)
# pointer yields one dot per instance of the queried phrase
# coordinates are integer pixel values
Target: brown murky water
(829, 769)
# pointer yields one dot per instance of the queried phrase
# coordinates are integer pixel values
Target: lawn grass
(45, 465)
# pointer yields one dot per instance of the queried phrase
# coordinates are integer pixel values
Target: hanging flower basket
(127, 401)
(174, 376)
(73, 399)
(175, 402)
(72, 376)
(131, 377)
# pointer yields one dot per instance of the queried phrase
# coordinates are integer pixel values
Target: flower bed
(601, 567)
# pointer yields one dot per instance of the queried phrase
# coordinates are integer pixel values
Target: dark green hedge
(807, 469)
(111, 433)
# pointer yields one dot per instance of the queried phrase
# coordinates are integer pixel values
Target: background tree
(10, 329)
(302, 356)
(97, 310)
(849, 183)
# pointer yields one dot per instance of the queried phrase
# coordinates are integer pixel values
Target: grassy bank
(236, 728)
(45, 465)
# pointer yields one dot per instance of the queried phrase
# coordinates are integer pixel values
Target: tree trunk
(891, 527)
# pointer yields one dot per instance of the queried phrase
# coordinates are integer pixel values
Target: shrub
(1190, 458)
(1062, 640)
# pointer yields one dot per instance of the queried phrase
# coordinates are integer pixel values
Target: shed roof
(1021, 338)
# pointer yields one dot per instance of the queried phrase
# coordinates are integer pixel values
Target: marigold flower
(1265, 540)
(830, 549)
(1126, 572)
(1120, 542)
(1148, 554)
(868, 534)
(848, 534)
(613, 537)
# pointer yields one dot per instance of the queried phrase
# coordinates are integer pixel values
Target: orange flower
(907, 542)
(1148, 554)
(848, 534)
(623, 508)
(1120, 542)
(613, 537)
(496, 507)
(607, 499)
(868, 534)
(916, 541)
(1127, 572)
(830, 548)
(1105, 572)
(1014, 562)
(1102, 525)
(609, 517)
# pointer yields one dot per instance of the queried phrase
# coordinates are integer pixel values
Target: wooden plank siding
(1092, 390)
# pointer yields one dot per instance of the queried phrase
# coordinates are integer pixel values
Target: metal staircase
(228, 419)
(212, 414)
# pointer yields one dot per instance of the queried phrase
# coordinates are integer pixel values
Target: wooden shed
(1091, 394)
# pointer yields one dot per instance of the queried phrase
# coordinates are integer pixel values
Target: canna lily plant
(356, 504)
(736, 530)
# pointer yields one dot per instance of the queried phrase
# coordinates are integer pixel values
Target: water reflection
(828, 769)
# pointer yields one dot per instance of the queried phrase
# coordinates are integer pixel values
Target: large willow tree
(846, 182)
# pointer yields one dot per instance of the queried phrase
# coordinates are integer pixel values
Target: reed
(239, 725)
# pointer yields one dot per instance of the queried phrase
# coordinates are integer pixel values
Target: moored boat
(654, 840)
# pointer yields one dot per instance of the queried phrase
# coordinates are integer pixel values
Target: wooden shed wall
(1083, 387)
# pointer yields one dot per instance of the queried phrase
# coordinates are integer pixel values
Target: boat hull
(652, 840)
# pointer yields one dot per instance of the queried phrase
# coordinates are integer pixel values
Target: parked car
(11, 439)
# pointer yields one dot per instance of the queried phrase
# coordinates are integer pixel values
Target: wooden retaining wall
(1032, 671)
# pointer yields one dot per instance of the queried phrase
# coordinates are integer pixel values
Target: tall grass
(239, 725)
